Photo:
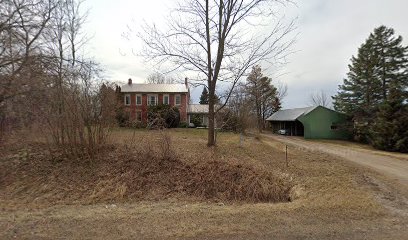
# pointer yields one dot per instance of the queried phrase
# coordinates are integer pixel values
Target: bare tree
(22, 24)
(81, 109)
(319, 99)
(219, 41)
(44, 79)
(282, 90)
(158, 78)
(241, 109)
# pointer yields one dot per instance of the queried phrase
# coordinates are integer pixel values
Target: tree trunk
(211, 117)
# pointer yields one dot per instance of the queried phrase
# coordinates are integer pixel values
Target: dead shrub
(237, 182)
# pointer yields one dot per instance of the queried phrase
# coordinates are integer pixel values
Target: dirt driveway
(395, 168)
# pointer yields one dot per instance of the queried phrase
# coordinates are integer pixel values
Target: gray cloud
(330, 32)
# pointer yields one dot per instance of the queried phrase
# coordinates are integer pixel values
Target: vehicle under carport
(311, 122)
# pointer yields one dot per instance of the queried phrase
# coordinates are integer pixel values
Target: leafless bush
(166, 150)
(44, 81)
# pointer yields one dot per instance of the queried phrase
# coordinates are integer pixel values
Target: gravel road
(394, 168)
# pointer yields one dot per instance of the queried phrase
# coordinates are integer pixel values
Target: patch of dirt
(388, 196)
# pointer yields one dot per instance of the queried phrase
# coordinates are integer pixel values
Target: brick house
(137, 98)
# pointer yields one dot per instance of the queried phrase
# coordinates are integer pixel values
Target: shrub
(196, 120)
(163, 116)
(122, 117)
(135, 124)
(183, 125)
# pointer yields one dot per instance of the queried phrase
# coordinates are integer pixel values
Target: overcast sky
(330, 32)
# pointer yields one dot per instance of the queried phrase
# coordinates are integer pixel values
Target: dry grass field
(139, 188)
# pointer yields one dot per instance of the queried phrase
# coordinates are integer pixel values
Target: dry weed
(145, 169)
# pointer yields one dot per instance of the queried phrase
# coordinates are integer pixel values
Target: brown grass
(330, 197)
(139, 170)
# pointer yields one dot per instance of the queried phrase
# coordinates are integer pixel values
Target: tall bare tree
(22, 24)
(320, 99)
(219, 41)
(158, 78)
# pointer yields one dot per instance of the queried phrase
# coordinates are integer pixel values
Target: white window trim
(168, 98)
(141, 99)
(156, 101)
(175, 100)
(130, 100)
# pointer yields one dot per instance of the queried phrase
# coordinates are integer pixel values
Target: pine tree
(390, 129)
(204, 96)
(262, 95)
(381, 61)
(392, 60)
(276, 105)
(360, 92)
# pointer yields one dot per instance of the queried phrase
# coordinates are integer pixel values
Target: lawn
(59, 198)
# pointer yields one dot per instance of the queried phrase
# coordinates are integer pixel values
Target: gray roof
(290, 114)
(155, 88)
(197, 108)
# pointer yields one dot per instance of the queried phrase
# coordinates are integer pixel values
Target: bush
(135, 124)
(163, 116)
(183, 125)
(196, 120)
(229, 120)
(122, 117)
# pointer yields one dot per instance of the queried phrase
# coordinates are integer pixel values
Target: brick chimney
(130, 81)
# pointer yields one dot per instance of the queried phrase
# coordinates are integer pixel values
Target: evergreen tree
(392, 62)
(381, 61)
(204, 96)
(390, 129)
(276, 105)
(262, 95)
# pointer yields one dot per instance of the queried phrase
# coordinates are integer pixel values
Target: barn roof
(155, 88)
(290, 114)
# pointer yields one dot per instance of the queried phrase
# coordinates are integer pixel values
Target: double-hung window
(177, 100)
(138, 99)
(166, 99)
(152, 100)
(127, 99)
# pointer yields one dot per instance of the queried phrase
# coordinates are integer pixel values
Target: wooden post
(286, 156)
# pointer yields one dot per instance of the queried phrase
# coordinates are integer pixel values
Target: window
(127, 99)
(333, 126)
(139, 116)
(138, 99)
(152, 100)
(166, 99)
(177, 100)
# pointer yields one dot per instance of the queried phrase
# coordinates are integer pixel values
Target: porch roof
(197, 108)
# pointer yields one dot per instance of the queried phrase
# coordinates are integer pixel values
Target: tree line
(250, 103)
(45, 81)
(375, 92)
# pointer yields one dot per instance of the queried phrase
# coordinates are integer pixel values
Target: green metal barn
(311, 122)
